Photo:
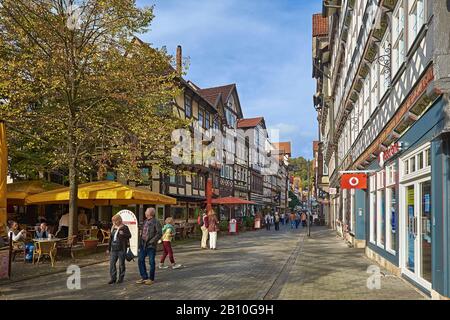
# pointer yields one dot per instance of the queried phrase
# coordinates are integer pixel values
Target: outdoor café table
(44, 247)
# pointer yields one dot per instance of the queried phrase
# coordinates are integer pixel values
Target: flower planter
(90, 243)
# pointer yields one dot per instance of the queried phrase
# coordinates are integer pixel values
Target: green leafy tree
(294, 200)
(79, 91)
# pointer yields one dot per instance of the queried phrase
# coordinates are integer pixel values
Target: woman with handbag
(213, 227)
(117, 248)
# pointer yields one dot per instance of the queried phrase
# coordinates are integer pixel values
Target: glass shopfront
(416, 213)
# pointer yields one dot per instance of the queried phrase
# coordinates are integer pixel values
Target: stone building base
(389, 266)
(437, 296)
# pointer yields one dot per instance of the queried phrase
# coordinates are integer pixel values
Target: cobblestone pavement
(253, 265)
(326, 268)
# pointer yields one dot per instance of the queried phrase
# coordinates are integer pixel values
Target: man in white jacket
(14, 233)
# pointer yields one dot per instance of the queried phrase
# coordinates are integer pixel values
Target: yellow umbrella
(18, 191)
(102, 193)
(3, 173)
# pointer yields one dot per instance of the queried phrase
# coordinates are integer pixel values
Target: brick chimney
(179, 60)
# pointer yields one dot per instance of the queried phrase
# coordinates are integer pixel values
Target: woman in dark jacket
(118, 245)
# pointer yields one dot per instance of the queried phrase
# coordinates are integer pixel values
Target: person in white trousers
(204, 229)
(213, 227)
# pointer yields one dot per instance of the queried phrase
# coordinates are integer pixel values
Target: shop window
(381, 216)
(178, 213)
(373, 215)
(391, 219)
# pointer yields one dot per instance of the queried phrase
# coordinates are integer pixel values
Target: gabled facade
(384, 109)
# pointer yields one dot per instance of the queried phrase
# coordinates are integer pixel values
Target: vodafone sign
(354, 181)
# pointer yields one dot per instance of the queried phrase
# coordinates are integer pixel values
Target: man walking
(297, 220)
(267, 221)
(151, 233)
(303, 219)
(292, 218)
(277, 221)
(204, 227)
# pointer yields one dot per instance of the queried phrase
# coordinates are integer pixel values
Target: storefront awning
(18, 191)
(102, 193)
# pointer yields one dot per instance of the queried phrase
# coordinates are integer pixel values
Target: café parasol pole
(3, 173)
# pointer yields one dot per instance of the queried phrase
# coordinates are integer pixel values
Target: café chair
(45, 248)
(106, 235)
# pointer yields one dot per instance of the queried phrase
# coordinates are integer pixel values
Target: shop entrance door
(416, 247)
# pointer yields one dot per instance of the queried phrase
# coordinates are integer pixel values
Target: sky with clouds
(264, 46)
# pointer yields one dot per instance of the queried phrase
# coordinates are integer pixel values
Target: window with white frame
(374, 88)
(381, 209)
(398, 37)
(391, 208)
(360, 113)
(416, 19)
(366, 105)
(372, 208)
(416, 164)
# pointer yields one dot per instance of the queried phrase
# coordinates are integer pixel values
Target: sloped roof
(283, 147)
(320, 25)
(212, 94)
(249, 123)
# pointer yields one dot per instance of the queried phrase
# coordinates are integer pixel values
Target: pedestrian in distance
(204, 227)
(267, 221)
(117, 248)
(303, 219)
(277, 221)
(292, 219)
(282, 218)
(213, 227)
(297, 220)
(168, 232)
(151, 233)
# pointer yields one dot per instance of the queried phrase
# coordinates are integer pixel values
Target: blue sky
(264, 46)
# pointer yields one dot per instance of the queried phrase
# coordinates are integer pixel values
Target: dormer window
(230, 103)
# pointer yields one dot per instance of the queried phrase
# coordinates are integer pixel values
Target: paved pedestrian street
(252, 265)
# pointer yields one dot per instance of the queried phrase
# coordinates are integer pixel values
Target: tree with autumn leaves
(78, 91)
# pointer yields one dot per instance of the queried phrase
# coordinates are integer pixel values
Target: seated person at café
(14, 233)
(63, 229)
(82, 220)
(42, 232)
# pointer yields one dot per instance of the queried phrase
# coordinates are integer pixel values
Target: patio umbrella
(102, 193)
(18, 191)
(230, 201)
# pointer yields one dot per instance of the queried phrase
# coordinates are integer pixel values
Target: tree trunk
(73, 199)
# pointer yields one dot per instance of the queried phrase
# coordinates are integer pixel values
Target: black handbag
(129, 255)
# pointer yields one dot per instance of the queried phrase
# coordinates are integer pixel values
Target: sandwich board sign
(129, 219)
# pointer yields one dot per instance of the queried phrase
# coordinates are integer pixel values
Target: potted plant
(223, 226)
(90, 242)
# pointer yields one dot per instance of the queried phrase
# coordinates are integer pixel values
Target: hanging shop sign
(354, 181)
(386, 155)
